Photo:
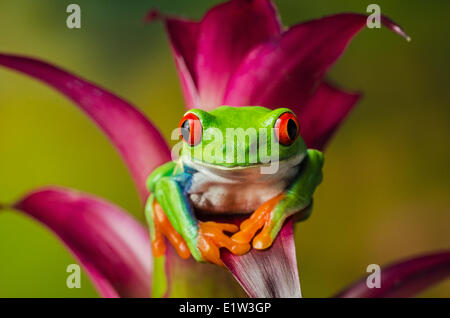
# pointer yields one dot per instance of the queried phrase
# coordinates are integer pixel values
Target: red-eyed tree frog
(234, 160)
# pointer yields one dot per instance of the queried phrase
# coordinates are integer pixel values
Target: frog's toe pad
(211, 238)
(262, 241)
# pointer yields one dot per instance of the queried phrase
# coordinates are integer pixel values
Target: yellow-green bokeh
(385, 194)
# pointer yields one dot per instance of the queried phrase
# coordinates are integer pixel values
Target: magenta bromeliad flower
(238, 54)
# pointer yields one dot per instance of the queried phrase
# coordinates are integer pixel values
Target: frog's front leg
(158, 222)
(271, 215)
(203, 239)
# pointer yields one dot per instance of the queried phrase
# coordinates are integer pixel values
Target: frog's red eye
(288, 128)
(191, 129)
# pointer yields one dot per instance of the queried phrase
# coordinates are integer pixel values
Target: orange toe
(262, 241)
(158, 244)
(211, 238)
(209, 250)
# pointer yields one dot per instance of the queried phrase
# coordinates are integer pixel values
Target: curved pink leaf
(207, 52)
(404, 279)
(323, 114)
(183, 35)
(113, 248)
(285, 72)
(140, 144)
(270, 273)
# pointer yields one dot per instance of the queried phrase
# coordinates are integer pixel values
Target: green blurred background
(385, 194)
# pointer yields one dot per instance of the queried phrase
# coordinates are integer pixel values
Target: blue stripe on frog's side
(184, 182)
(184, 179)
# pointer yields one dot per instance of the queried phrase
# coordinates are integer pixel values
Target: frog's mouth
(252, 171)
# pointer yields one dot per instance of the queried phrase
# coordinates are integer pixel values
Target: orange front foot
(211, 238)
(163, 228)
(261, 218)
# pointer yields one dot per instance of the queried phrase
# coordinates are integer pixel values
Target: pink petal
(227, 33)
(183, 36)
(404, 279)
(207, 52)
(270, 273)
(137, 140)
(323, 114)
(286, 71)
(113, 248)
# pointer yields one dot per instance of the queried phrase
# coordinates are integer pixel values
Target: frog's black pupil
(291, 129)
(185, 127)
